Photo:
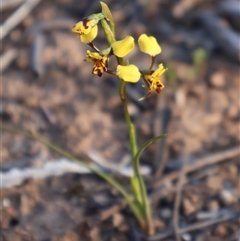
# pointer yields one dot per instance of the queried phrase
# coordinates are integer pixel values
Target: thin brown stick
(17, 17)
(193, 227)
(7, 58)
(112, 210)
(201, 162)
(51, 118)
(178, 198)
(160, 236)
(8, 4)
(201, 225)
(162, 117)
(157, 129)
(163, 163)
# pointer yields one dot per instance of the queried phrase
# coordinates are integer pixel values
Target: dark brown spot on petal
(99, 72)
(85, 21)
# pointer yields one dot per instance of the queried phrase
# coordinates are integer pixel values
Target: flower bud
(85, 26)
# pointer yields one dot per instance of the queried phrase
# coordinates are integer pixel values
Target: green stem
(138, 187)
(152, 62)
(131, 128)
(137, 183)
(106, 177)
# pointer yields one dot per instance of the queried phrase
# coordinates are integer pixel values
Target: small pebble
(233, 112)
(214, 182)
(101, 199)
(146, 128)
(180, 97)
(187, 237)
(6, 202)
(213, 205)
(220, 231)
(206, 215)
(217, 80)
(188, 206)
(166, 213)
(227, 197)
(117, 220)
(133, 110)
(233, 170)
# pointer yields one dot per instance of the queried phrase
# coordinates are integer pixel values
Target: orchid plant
(87, 30)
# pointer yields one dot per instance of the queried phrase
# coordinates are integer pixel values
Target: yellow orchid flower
(122, 47)
(88, 38)
(100, 62)
(149, 45)
(85, 26)
(128, 73)
(153, 80)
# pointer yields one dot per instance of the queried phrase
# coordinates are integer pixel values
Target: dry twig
(112, 210)
(200, 163)
(163, 115)
(193, 227)
(8, 4)
(160, 236)
(36, 56)
(178, 198)
(17, 17)
(201, 225)
(7, 58)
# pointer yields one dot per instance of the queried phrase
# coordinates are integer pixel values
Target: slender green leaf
(145, 145)
(103, 175)
(144, 197)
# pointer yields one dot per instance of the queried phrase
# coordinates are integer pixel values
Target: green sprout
(199, 55)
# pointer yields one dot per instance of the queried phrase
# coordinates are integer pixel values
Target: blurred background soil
(49, 90)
